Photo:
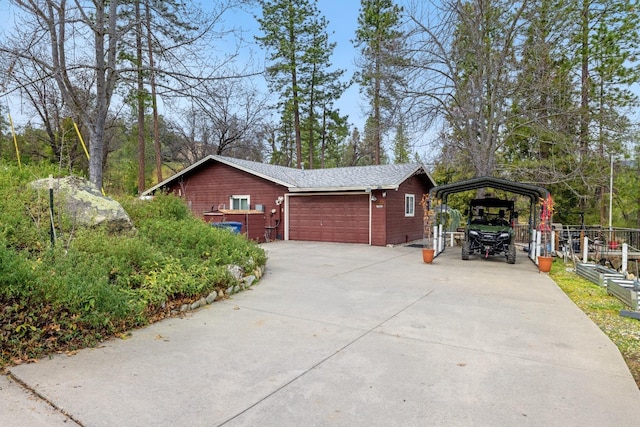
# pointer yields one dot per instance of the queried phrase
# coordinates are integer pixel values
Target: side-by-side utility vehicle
(489, 230)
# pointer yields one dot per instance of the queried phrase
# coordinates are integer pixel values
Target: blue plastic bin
(234, 227)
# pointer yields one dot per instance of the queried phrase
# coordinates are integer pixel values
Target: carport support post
(538, 246)
(532, 245)
(436, 238)
(441, 239)
(585, 250)
(625, 256)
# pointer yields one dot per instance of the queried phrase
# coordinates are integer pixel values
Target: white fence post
(436, 240)
(585, 250)
(442, 238)
(451, 239)
(625, 256)
(553, 242)
(538, 246)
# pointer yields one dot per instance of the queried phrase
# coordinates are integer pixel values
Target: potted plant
(545, 260)
(428, 217)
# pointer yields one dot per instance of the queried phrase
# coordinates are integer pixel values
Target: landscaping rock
(236, 271)
(249, 280)
(85, 204)
(211, 297)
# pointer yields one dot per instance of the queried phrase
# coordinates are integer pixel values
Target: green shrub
(161, 206)
(92, 283)
(16, 274)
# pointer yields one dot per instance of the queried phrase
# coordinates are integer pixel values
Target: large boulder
(85, 204)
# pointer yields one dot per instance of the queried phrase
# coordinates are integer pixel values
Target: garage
(329, 218)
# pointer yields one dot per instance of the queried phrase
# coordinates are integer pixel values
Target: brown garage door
(329, 218)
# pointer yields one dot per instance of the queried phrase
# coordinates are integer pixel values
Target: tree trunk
(584, 102)
(140, 97)
(296, 104)
(377, 133)
(154, 101)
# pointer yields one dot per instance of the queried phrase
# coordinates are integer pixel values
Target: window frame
(240, 198)
(409, 209)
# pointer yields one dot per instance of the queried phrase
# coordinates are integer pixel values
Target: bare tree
(81, 44)
(224, 119)
(461, 69)
(63, 26)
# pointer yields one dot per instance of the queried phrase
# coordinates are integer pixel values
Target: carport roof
(534, 192)
(355, 178)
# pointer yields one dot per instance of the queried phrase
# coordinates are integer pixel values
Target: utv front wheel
(465, 250)
(511, 254)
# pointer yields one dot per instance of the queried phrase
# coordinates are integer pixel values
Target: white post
(625, 256)
(585, 250)
(442, 240)
(553, 241)
(436, 239)
(538, 245)
(451, 239)
(532, 245)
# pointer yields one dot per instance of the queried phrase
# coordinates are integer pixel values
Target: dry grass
(604, 311)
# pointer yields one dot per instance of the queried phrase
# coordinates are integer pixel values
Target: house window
(409, 205)
(239, 203)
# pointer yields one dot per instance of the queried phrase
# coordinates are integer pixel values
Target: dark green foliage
(93, 284)
(163, 206)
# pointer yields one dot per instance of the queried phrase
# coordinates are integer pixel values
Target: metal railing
(613, 238)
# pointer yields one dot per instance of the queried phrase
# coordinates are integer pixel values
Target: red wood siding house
(366, 204)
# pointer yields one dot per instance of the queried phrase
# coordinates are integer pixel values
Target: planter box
(625, 291)
(597, 273)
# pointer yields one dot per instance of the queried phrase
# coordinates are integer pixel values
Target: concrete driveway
(350, 335)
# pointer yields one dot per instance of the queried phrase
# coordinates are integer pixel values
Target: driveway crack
(325, 359)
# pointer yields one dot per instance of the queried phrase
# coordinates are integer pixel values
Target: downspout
(370, 216)
(286, 217)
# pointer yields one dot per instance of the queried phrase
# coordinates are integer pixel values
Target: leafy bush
(93, 284)
(162, 206)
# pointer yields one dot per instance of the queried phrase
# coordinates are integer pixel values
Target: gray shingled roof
(332, 179)
(355, 177)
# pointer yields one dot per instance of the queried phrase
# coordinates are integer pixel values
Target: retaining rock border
(243, 283)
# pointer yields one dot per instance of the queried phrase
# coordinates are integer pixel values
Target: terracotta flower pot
(427, 255)
(544, 263)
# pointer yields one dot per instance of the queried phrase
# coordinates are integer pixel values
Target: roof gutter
(367, 189)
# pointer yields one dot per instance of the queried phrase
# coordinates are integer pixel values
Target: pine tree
(379, 39)
(401, 146)
(295, 34)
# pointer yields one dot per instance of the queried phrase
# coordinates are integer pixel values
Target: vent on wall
(260, 208)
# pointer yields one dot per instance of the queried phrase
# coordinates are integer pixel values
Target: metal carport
(533, 192)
